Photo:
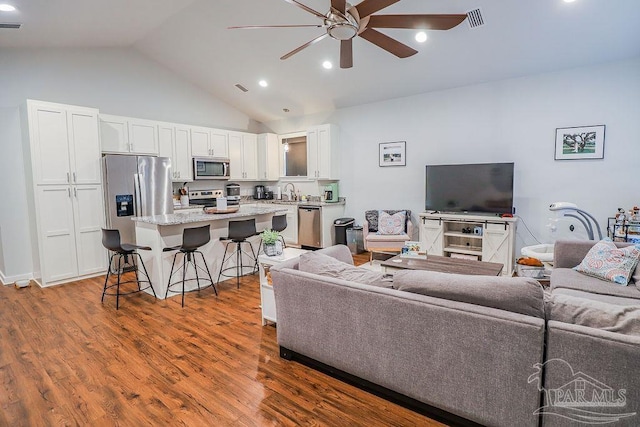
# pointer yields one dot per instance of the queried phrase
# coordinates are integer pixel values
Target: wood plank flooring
(67, 359)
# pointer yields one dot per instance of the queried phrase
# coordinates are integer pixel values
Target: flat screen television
(473, 188)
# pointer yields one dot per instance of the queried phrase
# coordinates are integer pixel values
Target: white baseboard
(10, 280)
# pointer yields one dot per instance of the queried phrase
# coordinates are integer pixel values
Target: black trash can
(340, 226)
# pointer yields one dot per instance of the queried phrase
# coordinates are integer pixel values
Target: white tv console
(447, 235)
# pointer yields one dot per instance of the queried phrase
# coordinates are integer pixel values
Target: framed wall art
(393, 153)
(579, 143)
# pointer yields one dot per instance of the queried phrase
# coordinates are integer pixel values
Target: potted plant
(271, 242)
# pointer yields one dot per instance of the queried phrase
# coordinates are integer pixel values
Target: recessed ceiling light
(327, 64)
(263, 83)
(421, 37)
(6, 8)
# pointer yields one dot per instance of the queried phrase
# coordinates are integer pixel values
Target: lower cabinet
(478, 237)
(290, 234)
(69, 220)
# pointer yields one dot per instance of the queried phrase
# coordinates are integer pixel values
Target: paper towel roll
(221, 203)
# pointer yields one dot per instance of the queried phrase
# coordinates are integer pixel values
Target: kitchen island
(162, 231)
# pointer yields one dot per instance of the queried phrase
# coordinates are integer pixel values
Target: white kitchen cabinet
(66, 145)
(70, 218)
(268, 157)
(481, 237)
(323, 161)
(68, 202)
(127, 135)
(328, 214)
(290, 234)
(208, 142)
(175, 142)
(243, 156)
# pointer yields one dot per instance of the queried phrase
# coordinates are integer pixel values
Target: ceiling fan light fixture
(343, 31)
(327, 65)
(421, 37)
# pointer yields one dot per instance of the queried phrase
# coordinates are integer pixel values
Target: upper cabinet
(128, 135)
(323, 161)
(243, 156)
(65, 144)
(175, 143)
(268, 157)
(207, 142)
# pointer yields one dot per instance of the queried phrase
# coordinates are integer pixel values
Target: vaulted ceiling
(190, 37)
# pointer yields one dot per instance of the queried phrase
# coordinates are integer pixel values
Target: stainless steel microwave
(210, 168)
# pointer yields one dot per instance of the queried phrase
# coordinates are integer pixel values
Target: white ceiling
(520, 37)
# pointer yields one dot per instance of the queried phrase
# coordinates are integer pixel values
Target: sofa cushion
(623, 319)
(606, 261)
(391, 224)
(324, 265)
(609, 299)
(515, 294)
(570, 279)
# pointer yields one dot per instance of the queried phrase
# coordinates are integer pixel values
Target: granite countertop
(342, 201)
(189, 217)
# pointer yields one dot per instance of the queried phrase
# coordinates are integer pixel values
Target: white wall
(114, 80)
(511, 120)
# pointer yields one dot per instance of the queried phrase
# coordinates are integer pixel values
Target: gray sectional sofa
(467, 349)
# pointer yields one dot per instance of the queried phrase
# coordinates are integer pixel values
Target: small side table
(265, 262)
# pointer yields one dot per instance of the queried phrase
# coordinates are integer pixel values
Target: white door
(181, 163)
(431, 236)
(200, 142)
(236, 167)
(143, 136)
(220, 143)
(50, 144)
(84, 143)
(250, 156)
(166, 146)
(268, 157)
(57, 235)
(114, 134)
(324, 152)
(496, 245)
(89, 220)
(312, 154)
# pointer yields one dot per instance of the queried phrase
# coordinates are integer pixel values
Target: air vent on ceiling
(242, 88)
(475, 18)
(10, 26)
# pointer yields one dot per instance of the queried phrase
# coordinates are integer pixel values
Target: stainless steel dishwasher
(309, 227)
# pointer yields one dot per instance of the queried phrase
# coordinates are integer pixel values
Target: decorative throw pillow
(391, 223)
(608, 262)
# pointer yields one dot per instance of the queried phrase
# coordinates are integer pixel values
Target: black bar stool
(192, 240)
(239, 232)
(124, 252)
(279, 223)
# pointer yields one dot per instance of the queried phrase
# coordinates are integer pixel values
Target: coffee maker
(331, 193)
(259, 192)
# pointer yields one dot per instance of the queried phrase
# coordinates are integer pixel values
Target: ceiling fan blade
(418, 22)
(253, 27)
(339, 5)
(387, 43)
(367, 7)
(307, 8)
(346, 53)
(304, 46)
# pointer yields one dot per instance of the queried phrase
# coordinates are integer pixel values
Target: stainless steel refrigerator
(136, 186)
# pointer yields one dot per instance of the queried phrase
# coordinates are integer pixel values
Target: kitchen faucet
(292, 195)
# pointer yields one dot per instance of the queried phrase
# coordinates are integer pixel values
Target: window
(294, 151)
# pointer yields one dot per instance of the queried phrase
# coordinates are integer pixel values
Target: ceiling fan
(344, 22)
